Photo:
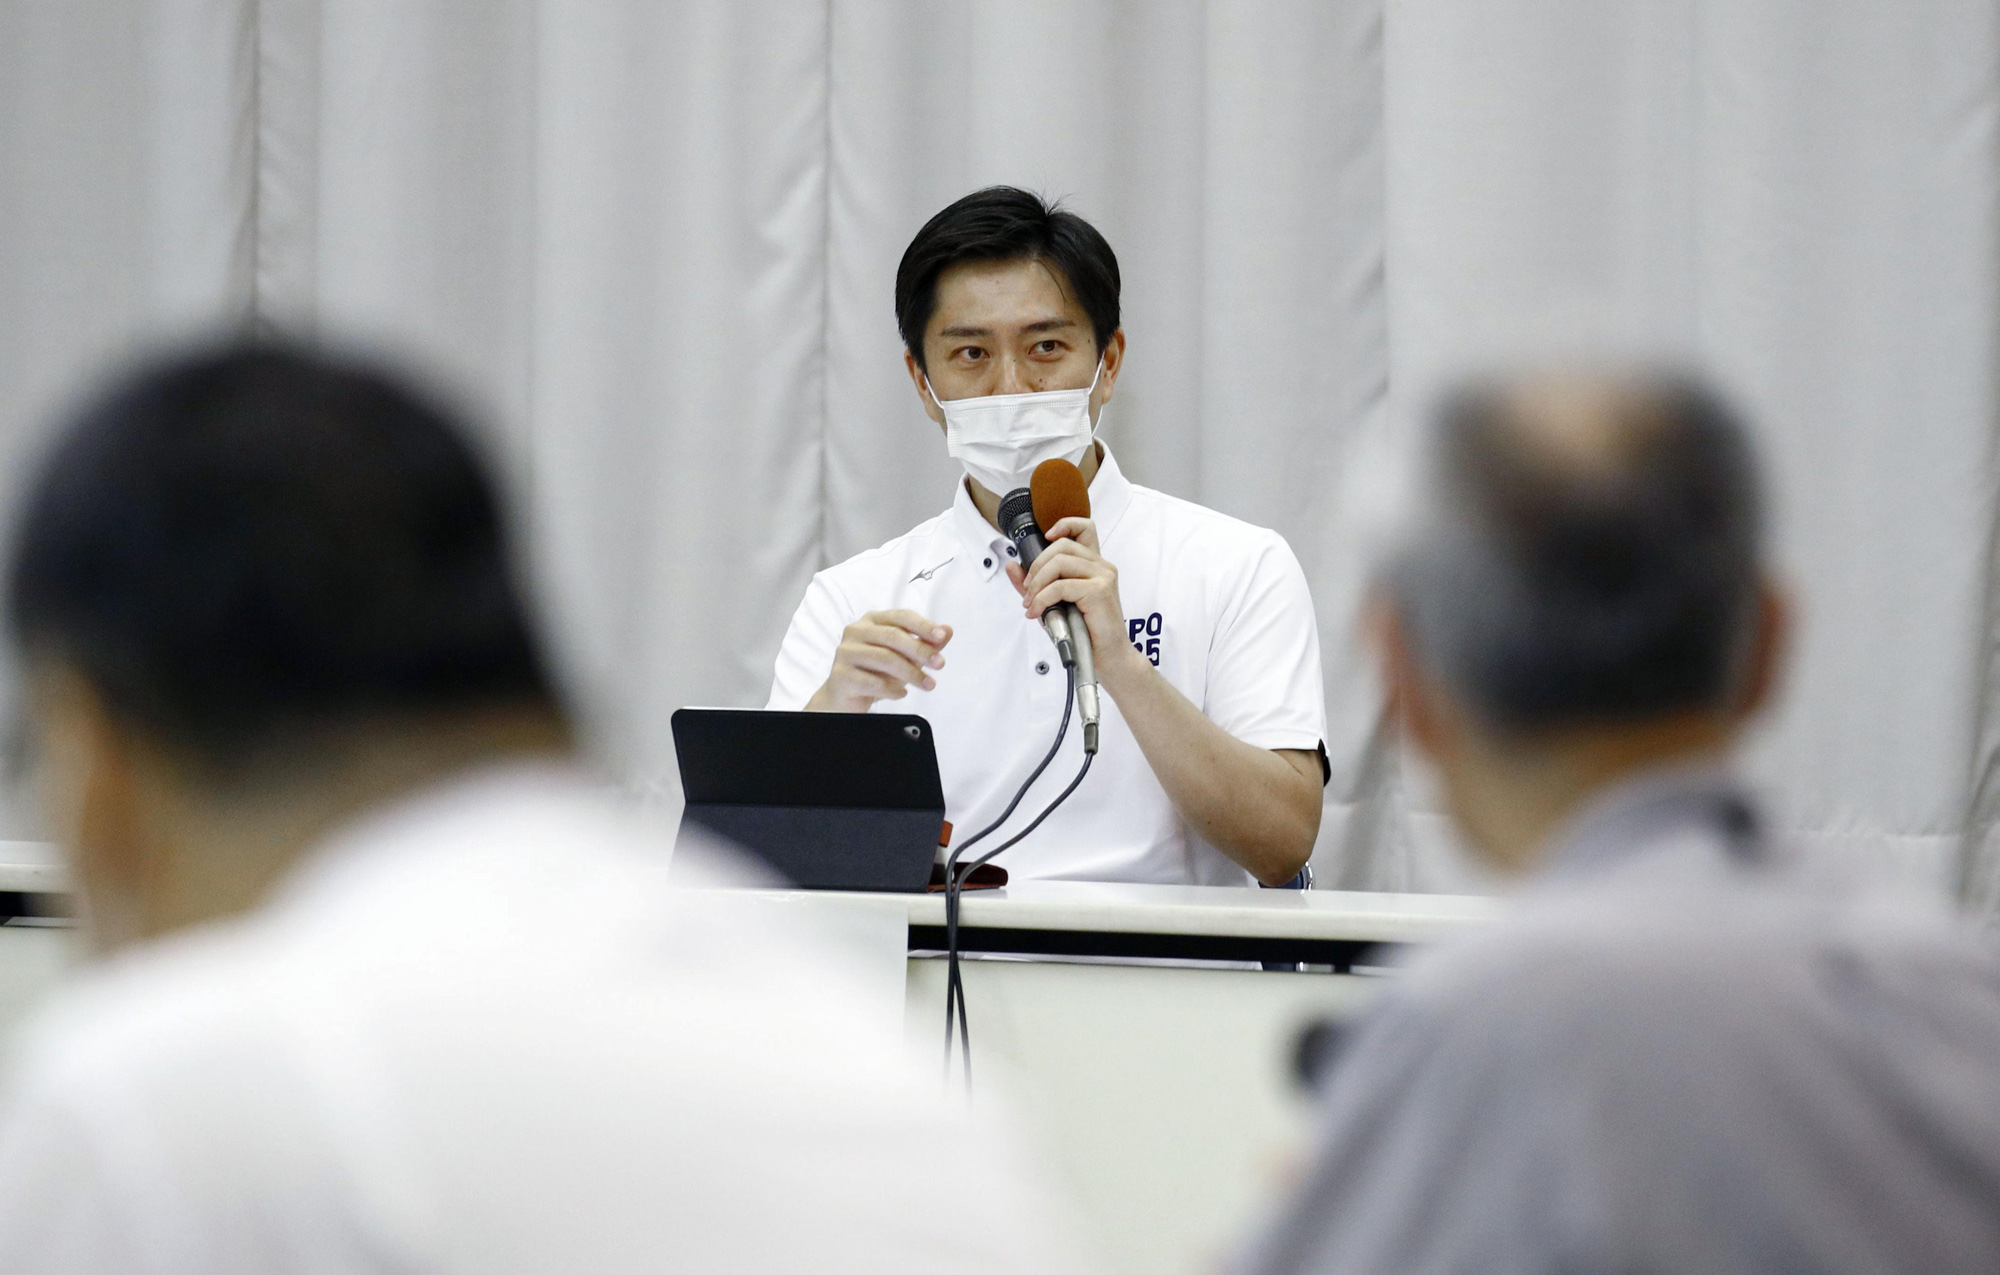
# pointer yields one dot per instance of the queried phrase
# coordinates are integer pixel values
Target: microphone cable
(954, 991)
(954, 884)
(951, 922)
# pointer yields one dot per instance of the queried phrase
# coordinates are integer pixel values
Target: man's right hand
(881, 655)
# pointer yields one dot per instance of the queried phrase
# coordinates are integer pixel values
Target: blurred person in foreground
(1688, 1047)
(387, 984)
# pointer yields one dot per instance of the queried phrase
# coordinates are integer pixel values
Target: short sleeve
(806, 657)
(1264, 682)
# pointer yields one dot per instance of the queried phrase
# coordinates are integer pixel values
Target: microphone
(1058, 491)
(1017, 520)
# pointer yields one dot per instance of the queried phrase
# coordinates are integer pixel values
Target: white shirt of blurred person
(1690, 1046)
(389, 986)
(1211, 760)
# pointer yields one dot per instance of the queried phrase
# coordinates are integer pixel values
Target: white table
(31, 867)
(1104, 919)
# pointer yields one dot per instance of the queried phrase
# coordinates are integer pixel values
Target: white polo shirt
(1221, 607)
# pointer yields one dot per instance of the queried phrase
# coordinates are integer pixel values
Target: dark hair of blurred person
(1592, 556)
(262, 543)
(1005, 223)
(1583, 584)
(1687, 1044)
(263, 571)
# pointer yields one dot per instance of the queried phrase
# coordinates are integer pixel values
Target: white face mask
(1000, 438)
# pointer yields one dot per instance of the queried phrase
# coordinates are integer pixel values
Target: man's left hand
(1072, 570)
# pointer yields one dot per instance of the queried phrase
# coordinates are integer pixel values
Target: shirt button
(1010, 551)
(989, 562)
(1041, 666)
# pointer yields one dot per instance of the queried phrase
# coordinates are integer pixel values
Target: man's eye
(1049, 347)
(971, 352)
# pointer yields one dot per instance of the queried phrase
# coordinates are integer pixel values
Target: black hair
(1552, 593)
(242, 547)
(1004, 223)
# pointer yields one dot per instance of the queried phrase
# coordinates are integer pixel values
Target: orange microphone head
(1059, 493)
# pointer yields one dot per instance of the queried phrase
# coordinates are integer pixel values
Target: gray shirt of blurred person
(1689, 1046)
(387, 984)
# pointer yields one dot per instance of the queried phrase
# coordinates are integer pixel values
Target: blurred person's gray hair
(1585, 548)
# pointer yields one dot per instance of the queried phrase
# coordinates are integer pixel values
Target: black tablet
(828, 801)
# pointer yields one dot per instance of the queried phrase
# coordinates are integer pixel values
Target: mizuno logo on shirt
(928, 572)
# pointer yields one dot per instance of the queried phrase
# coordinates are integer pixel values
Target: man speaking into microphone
(1199, 626)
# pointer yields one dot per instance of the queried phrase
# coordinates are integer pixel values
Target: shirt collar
(1110, 493)
(989, 551)
(1647, 809)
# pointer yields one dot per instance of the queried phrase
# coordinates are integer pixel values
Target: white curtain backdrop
(654, 241)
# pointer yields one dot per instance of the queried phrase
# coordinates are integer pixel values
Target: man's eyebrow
(1056, 324)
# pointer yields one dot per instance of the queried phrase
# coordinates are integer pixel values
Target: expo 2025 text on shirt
(1220, 607)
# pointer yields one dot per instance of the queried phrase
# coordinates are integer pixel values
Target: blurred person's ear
(88, 783)
(1770, 646)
